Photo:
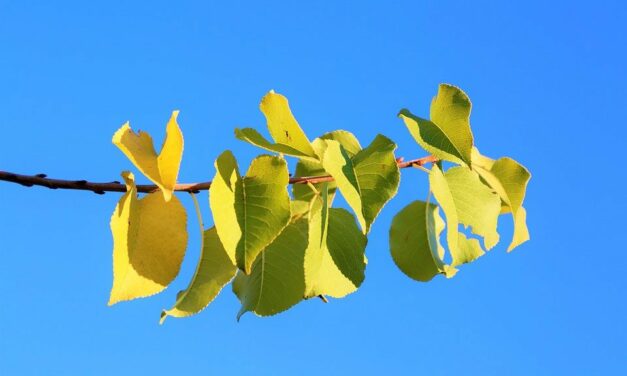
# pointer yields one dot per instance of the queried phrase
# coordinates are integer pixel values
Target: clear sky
(547, 80)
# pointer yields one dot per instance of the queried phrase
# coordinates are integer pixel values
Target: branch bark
(115, 186)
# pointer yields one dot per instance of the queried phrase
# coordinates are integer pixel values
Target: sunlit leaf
(378, 176)
(509, 179)
(276, 281)
(368, 180)
(149, 242)
(415, 241)
(249, 212)
(161, 169)
(468, 250)
(253, 137)
(214, 270)
(447, 134)
(465, 199)
(304, 167)
(288, 137)
(334, 259)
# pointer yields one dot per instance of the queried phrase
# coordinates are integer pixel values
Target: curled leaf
(161, 169)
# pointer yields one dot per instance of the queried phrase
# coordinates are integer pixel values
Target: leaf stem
(198, 213)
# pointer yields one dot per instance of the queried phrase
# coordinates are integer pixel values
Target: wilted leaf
(149, 242)
(161, 169)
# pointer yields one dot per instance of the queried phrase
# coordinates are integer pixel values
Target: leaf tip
(117, 136)
(164, 315)
(403, 113)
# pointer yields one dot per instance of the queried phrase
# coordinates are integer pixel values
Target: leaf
(276, 281)
(302, 192)
(465, 199)
(469, 250)
(479, 160)
(378, 176)
(214, 270)
(415, 241)
(509, 179)
(447, 135)
(253, 137)
(368, 180)
(348, 141)
(289, 138)
(334, 259)
(149, 242)
(161, 169)
(249, 212)
(521, 233)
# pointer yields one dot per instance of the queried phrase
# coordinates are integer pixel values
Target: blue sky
(547, 80)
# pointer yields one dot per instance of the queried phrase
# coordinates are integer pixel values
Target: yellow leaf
(162, 169)
(149, 241)
(282, 125)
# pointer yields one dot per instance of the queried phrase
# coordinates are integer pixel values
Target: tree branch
(115, 186)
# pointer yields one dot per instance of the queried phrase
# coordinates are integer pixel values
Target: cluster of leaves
(277, 249)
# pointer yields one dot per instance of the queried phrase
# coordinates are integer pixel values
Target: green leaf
(509, 179)
(213, 272)
(249, 212)
(378, 176)
(302, 192)
(149, 242)
(415, 241)
(447, 135)
(334, 259)
(276, 281)
(465, 199)
(288, 137)
(368, 180)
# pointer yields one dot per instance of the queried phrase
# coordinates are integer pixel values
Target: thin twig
(115, 186)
